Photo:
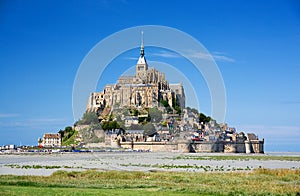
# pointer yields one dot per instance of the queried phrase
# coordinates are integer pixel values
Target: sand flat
(132, 161)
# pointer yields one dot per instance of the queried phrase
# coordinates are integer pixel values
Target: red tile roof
(52, 136)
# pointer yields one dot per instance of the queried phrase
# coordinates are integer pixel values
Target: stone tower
(142, 66)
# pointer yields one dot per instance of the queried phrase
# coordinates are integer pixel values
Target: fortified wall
(255, 146)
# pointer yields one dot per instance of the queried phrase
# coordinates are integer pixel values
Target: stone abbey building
(144, 90)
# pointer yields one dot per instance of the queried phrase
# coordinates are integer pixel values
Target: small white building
(131, 120)
(8, 147)
(51, 140)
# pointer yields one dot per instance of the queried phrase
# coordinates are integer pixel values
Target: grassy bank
(261, 181)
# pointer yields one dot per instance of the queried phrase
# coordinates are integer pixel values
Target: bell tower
(142, 66)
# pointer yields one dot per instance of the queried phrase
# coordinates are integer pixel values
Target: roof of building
(135, 131)
(131, 118)
(52, 136)
(137, 85)
(251, 136)
(142, 60)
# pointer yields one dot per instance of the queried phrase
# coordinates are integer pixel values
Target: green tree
(178, 109)
(96, 126)
(61, 132)
(134, 112)
(164, 124)
(143, 119)
(208, 119)
(122, 125)
(125, 111)
(89, 118)
(111, 117)
(114, 125)
(68, 129)
(149, 129)
(164, 103)
(136, 127)
(167, 106)
(119, 118)
(203, 118)
(195, 111)
(105, 125)
(176, 106)
(110, 125)
(66, 134)
(155, 115)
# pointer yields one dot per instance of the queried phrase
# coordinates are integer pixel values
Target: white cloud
(219, 53)
(166, 54)
(32, 123)
(131, 58)
(8, 115)
(223, 58)
(217, 56)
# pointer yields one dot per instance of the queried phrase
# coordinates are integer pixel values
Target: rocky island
(145, 112)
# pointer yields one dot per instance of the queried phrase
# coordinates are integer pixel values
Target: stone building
(50, 140)
(146, 89)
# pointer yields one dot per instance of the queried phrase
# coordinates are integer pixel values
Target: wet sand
(132, 161)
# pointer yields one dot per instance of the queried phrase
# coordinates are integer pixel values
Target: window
(140, 68)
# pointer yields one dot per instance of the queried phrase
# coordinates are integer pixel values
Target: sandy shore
(44, 164)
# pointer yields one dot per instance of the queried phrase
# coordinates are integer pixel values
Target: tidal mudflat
(47, 164)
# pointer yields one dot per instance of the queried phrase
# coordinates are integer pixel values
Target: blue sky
(256, 46)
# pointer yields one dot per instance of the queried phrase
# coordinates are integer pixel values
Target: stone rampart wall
(152, 146)
(198, 147)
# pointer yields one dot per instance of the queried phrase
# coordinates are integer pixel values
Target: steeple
(142, 59)
(142, 66)
(142, 45)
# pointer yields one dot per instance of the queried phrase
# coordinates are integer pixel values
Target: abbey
(144, 90)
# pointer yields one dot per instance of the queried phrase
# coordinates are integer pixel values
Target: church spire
(142, 45)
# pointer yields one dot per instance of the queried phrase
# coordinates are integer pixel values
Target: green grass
(10, 190)
(258, 182)
(70, 140)
(39, 166)
(205, 168)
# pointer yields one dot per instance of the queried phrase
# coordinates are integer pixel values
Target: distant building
(50, 140)
(8, 147)
(134, 135)
(131, 120)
